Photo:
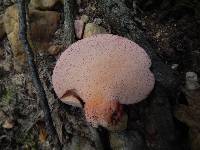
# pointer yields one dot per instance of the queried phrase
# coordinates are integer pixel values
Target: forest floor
(172, 30)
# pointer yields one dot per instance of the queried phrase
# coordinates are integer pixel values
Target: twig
(34, 74)
(69, 34)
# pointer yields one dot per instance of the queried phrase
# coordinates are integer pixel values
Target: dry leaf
(8, 124)
(42, 135)
(42, 131)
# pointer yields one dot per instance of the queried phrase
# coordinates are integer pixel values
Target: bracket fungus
(100, 73)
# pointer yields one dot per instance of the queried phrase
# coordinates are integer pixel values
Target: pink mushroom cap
(103, 67)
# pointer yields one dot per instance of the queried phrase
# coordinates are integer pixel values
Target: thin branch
(69, 34)
(34, 74)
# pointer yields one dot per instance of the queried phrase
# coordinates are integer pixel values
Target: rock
(55, 49)
(2, 29)
(126, 140)
(174, 66)
(98, 21)
(85, 18)
(12, 30)
(92, 29)
(43, 25)
(43, 4)
(79, 27)
(191, 81)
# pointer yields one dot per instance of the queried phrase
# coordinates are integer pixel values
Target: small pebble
(191, 81)
(93, 29)
(79, 27)
(55, 49)
(174, 66)
(85, 18)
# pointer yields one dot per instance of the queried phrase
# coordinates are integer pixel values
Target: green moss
(8, 95)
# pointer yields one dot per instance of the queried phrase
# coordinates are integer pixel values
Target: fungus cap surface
(104, 66)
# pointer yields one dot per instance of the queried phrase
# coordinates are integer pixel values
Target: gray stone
(191, 81)
(85, 18)
(79, 27)
(93, 29)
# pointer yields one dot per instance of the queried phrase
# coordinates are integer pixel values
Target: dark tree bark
(69, 34)
(157, 114)
(34, 74)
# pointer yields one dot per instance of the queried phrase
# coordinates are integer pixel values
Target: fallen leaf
(8, 124)
(42, 131)
(43, 135)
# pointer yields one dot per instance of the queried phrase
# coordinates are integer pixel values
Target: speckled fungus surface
(105, 71)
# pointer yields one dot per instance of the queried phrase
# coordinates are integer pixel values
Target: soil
(173, 30)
